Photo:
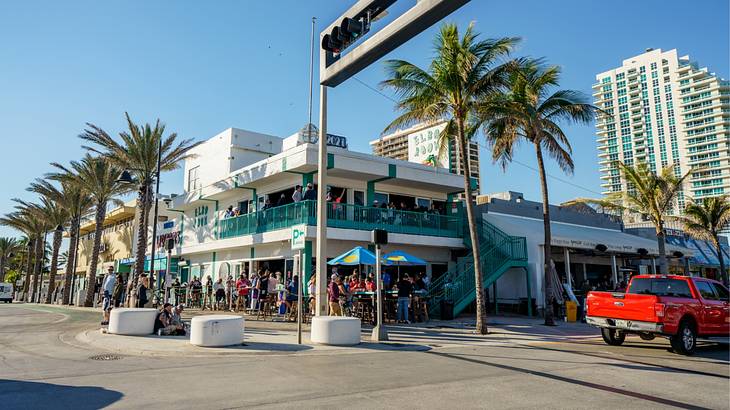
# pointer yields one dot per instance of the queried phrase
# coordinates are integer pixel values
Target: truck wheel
(647, 336)
(613, 337)
(685, 341)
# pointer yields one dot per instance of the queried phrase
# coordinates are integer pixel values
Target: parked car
(678, 307)
(6, 292)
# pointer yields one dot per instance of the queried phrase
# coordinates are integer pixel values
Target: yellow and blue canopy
(356, 256)
(403, 259)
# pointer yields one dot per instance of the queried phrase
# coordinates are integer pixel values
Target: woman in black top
(142, 292)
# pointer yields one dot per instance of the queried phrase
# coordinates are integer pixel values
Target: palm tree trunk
(39, 257)
(28, 270)
(57, 237)
(70, 262)
(2, 268)
(721, 259)
(663, 267)
(143, 206)
(547, 247)
(481, 323)
(91, 275)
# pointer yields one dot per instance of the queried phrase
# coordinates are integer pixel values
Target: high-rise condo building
(666, 111)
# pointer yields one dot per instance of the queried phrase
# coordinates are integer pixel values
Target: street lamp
(126, 177)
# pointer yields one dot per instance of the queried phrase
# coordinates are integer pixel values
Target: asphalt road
(43, 366)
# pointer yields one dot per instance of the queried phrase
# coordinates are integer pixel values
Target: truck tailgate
(622, 306)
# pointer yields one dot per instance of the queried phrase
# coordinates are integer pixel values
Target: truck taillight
(659, 309)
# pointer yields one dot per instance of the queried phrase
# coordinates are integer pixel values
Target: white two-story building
(255, 175)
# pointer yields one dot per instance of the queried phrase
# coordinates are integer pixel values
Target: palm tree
(705, 220)
(463, 72)
(22, 223)
(649, 194)
(138, 153)
(79, 204)
(57, 207)
(8, 248)
(97, 176)
(26, 219)
(531, 112)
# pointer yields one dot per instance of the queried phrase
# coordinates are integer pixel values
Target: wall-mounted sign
(162, 239)
(424, 147)
(298, 237)
(337, 141)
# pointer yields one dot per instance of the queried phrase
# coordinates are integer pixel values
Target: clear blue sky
(202, 67)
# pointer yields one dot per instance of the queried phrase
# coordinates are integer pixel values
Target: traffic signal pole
(321, 254)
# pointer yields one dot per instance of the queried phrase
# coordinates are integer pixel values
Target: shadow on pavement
(19, 394)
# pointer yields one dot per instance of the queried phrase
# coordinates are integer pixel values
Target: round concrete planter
(216, 330)
(335, 330)
(132, 321)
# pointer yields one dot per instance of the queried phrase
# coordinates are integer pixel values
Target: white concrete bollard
(335, 330)
(132, 321)
(216, 330)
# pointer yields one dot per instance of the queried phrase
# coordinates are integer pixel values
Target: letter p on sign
(298, 237)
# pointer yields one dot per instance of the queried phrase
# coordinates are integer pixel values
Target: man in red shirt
(242, 286)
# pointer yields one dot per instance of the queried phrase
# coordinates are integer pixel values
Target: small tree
(8, 247)
(705, 220)
(649, 194)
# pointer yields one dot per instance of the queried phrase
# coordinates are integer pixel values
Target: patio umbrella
(355, 256)
(399, 258)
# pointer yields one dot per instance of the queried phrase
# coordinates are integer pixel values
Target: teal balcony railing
(345, 216)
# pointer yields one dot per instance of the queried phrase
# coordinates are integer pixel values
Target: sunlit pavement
(56, 357)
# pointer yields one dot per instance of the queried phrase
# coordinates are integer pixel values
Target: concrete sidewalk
(280, 338)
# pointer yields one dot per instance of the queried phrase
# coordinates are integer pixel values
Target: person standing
(297, 195)
(144, 283)
(230, 285)
(310, 194)
(219, 292)
(333, 293)
(108, 287)
(242, 286)
(118, 292)
(405, 287)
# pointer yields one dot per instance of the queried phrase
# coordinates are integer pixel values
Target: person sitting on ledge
(163, 322)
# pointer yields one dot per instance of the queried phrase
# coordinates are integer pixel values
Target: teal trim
(213, 265)
(307, 178)
(283, 164)
(217, 217)
(529, 292)
(474, 183)
(253, 252)
(346, 216)
(370, 191)
(307, 265)
(330, 161)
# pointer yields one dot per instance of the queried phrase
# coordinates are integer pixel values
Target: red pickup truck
(678, 307)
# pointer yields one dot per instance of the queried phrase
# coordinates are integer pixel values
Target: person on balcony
(229, 212)
(282, 200)
(297, 195)
(310, 194)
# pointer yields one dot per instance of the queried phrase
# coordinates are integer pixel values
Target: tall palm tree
(99, 177)
(649, 194)
(463, 72)
(137, 153)
(705, 220)
(532, 112)
(79, 204)
(52, 210)
(8, 248)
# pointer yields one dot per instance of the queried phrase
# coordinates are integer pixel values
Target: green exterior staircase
(499, 252)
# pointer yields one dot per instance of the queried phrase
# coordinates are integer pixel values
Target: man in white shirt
(297, 196)
(108, 287)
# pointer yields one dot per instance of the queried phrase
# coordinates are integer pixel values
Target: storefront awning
(578, 236)
(704, 253)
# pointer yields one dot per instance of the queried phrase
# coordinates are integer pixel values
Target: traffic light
(345, 34)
